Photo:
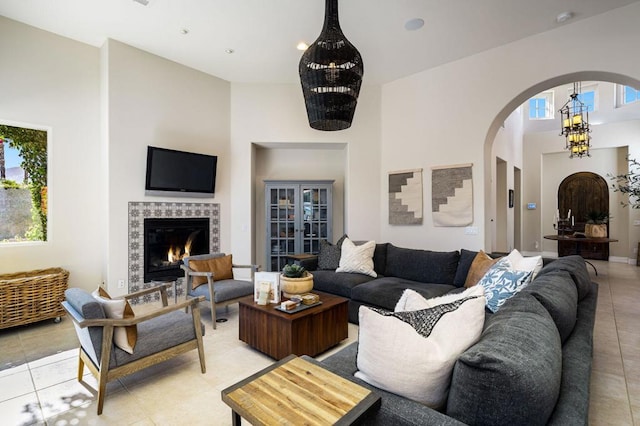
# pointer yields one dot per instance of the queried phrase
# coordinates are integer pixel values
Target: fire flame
(176, 253)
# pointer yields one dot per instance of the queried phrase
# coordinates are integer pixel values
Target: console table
(579, 242)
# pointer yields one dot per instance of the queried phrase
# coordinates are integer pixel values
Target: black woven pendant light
(331, 72)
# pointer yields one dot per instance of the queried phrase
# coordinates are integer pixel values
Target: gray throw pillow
(329, 255)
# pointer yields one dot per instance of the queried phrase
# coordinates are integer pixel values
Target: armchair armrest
(254, 268)
(189, 271)
(161, 288)
(102, 322)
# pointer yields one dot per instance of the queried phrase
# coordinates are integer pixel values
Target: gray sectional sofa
(532, 364)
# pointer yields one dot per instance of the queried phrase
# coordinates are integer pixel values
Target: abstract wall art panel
(452, 195)
(405, 197)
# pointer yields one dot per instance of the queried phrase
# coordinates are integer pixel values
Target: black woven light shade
(331, 72)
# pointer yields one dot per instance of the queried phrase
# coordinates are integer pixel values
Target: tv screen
(179, 171)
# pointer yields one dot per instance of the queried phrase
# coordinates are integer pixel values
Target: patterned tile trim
(138, 211)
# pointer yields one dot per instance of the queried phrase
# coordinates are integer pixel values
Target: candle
(572, 221)
(566, 123)
(569, 214)
(577, 119)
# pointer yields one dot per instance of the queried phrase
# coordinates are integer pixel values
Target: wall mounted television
(171, 172)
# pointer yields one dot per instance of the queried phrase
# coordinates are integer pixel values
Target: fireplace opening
(168, 241)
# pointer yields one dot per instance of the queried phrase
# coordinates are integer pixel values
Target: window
(587, 94)
(23, 184)
(541, 106)
(627, 95)
(588, 99)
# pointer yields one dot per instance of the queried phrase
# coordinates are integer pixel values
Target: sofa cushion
(502, 282)
(411, 353)
(329, 254)
(385, 292)
(576, 267)
(357, 259)
(559, 296)
(336, 283)
(479, 267)
(464, 264)
(124, 337)
(521, 263)
(380, 258)
(512, 375)
(422, 265)
(411, 300)
(222, 268)
(394, 410)
(159, 333)
(573, 403)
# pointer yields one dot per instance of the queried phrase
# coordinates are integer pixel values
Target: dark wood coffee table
(295, 391)
(308, 332)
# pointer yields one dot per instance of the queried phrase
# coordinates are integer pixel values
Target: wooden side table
(297, 258)
(295, 391)
(308, 332)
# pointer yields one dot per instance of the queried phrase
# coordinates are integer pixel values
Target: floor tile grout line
(624, 370)
(33, 382)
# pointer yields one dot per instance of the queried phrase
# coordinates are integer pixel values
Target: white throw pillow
(358, 259)
(530, 264)
(123, 337)
(411, 300)
(412, 353)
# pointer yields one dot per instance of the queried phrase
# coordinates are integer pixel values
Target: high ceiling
(264, 33)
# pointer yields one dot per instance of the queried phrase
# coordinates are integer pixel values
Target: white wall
(153, 101)
(275, 114)
(299, 164)
(51, 81)
(451, 114)
(547, 163)
(507, 147)
(447, 115)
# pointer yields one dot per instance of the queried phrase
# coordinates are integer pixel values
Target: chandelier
(331, 72)
(574, 120)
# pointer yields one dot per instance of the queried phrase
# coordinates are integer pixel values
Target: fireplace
(168, 240)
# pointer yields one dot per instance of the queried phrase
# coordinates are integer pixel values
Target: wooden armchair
(218, 292)
(161, 334)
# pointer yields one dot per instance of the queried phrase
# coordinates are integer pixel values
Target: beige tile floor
(38, 367)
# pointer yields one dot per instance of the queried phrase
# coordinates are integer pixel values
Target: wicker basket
(27, 297)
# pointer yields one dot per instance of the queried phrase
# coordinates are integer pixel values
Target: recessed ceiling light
(302, 46)
(142, 2)
(229, 51)
(564, 17)
(184, 31)
(414, 24)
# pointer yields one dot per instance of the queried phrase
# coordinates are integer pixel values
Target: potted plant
(628, 183)
(596, 226)
(295, 279)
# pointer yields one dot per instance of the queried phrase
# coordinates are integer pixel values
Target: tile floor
(38, 366)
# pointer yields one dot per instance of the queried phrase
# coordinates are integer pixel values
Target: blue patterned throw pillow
(501, 282)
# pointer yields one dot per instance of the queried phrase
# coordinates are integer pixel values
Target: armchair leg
(102, 390)
(80, 365)
(213, 312)
(198, 330)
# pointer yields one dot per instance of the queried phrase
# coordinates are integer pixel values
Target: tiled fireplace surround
(140, 210)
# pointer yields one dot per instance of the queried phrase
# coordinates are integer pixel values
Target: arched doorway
(582, 193)
(532, 227)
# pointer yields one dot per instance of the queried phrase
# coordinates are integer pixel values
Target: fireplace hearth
(167, 241)
(138, 212)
